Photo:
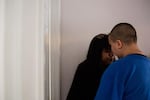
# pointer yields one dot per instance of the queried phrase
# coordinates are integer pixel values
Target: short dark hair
(124, 32)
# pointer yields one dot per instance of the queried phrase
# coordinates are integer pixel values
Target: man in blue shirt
(129, 77)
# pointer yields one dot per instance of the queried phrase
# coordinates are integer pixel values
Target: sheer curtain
(2, 49)
(29, 49)
(22, 50)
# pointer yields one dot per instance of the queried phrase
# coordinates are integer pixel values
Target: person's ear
(119, 44)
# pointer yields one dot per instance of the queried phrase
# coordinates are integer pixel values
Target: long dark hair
(97, 45)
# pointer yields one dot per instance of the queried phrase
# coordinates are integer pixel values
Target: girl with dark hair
(88, 73)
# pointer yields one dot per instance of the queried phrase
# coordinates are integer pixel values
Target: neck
(132, 49)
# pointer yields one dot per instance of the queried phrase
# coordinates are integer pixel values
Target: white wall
(83, 19)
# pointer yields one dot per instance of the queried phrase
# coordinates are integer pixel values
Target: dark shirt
(86, 81)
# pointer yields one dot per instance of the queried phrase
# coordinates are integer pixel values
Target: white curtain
(1, 50)
(22, 50)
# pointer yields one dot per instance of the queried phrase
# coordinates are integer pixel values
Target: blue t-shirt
(126, 79)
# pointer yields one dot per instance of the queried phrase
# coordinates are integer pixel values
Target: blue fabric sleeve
(111, 85)
(126, 79)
